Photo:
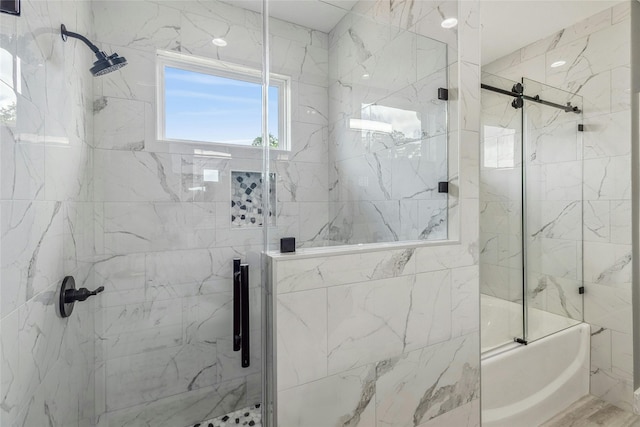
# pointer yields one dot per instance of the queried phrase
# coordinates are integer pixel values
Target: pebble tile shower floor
(250, 416)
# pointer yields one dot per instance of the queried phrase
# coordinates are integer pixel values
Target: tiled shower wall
(597, 54)
(164, 354)
(384, 186)
(46, 224)
(391, 337)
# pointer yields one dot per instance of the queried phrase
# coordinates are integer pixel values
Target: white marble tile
(318, 403)
(240, 28)
(119, 123)
(597, 221)
(312, 104)
(136, 379)
(136, 176)
(465, 415)
(301, 182)
(607, 264)
(136, 81)
(607, 135)
(401, 315)
(430, 381)
(465, 301)
(302, 337)
(592, 24)
(600, 348)
(184, 409)
(608, 306)
(309, 143)
(622, 354)
(589, 55)
(554, 257)
(607, 178)
(563, 181)
(137, 227)
(620, 12)
(320, 272)
(32, 249)
(620, 216)
(620, 89)
(22, 168)
(611, 388)
(145, 25)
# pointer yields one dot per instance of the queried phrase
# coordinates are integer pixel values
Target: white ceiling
(511, 24)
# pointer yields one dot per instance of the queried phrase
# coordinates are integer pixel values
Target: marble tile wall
(384, 184)
(46, 215)
(390, 336)
(597, 55)
(164, 235)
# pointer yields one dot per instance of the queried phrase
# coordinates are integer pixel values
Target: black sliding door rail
(568, 108)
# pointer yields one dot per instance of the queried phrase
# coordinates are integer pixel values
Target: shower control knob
(69, 295)
(73, 295)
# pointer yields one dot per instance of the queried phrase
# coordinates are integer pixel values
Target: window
(499, 147)
(210, 101)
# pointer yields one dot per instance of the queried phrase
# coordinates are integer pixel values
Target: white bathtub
(526, 385)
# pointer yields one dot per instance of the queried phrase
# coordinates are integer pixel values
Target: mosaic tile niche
(246, 199)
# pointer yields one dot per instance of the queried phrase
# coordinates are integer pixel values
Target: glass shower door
(553, 209)
(501, 271)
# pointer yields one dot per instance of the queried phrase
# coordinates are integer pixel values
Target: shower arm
(64, 34)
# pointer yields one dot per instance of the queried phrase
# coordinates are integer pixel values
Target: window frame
(218, 68)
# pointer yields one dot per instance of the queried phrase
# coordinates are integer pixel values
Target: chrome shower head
(105, 64)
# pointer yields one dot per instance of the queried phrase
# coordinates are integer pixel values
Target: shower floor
(251, 416)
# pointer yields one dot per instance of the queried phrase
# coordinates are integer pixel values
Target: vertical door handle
(237, 339)
(244, 293)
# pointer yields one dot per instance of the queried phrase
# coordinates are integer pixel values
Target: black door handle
(237, 340)
(241, 311)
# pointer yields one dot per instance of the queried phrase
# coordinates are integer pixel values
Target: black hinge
(443, 94)
(443, 187)
(580, 128)
(520, 341)
(581, 290)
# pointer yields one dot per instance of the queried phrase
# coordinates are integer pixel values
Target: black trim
(519, 96)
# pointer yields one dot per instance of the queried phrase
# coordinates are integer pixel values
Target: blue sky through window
(203, 107)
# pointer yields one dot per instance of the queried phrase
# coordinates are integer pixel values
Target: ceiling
(507, 25)
(511, 24)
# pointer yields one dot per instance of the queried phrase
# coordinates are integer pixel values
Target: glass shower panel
(501, 270)
(175, 207)
(369, 134)
(553, 209)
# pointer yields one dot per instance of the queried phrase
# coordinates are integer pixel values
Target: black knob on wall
(69, 295)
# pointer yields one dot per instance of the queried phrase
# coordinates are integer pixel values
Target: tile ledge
(327, 251)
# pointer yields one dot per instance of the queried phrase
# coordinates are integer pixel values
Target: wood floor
(593, 412)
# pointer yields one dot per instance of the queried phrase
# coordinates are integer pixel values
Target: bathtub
(526, 385)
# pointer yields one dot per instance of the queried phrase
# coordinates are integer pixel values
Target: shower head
(105, 64)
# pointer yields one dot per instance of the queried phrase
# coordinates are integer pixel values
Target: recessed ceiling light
(219, 42)
(365, 76)
(558, 64)
(449, 23)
